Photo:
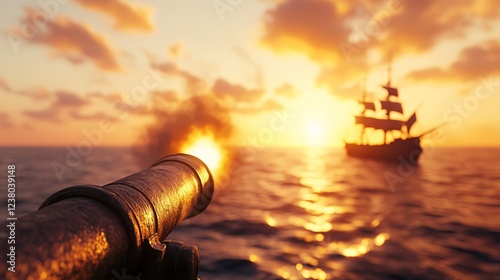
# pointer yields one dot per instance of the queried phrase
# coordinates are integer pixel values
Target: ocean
(315, 213)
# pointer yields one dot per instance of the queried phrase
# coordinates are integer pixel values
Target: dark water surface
(317, 214)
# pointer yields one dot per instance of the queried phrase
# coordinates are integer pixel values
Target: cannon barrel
(108, 232)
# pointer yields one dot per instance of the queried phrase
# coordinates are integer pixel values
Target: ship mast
(389, 74)
(389, 104)
(362, 136)
(388, 95)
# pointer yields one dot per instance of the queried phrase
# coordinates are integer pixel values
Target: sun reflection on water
(253, 258)
(329, 219)
(270, 220)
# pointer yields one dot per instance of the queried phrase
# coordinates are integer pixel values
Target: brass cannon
(115, 231)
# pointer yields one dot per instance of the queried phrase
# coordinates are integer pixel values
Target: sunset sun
(315, 133)
(315, 130)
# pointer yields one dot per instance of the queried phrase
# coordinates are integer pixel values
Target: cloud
(70, 106)
(194, 85)
(165, 96)
(478, 60)
(161, 100)
(339, 35)
(4, 86)
(175, 50)
(67, 99)
(257, 71)
(5, 121)
(419, 25)
(343, 80)
(37, 94)
(221, 88)
(127, 16)
(266, 106)
(407, 26)
(317, 28)
(226, 90)
(286, 90)
(432, 73)
(111, 97)
(271, 105)
(44, 115)
(140, 110)
(75, 42)
(99, 116)
(473, 62)
(64, 103)
(312, 27)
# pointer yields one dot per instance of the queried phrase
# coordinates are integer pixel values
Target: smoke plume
(172, 127)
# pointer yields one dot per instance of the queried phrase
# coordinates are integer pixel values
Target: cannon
(116, 231)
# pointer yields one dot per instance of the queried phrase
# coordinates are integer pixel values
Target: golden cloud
(5, 121)
(286, 90)
(266, 106)
(127, 16)
(226, 90)
(313, 27)
(473, 62)
(75, 42)
(4, 86)
(339, 35)
(68, 105)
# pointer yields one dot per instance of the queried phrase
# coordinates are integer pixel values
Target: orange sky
(258, 73)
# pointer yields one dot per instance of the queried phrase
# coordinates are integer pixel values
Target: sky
(246, 73)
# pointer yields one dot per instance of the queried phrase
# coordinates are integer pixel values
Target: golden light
(270, 220)
(299, 266)
(206, 149)
(315, 130)
(381, 238)
(253, 258)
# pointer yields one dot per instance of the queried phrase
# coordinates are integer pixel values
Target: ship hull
(400, 150)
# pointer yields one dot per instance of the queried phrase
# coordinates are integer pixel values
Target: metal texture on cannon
(93, 232)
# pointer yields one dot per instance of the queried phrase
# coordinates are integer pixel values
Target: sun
(315, 130)
(206, 149)
(315, 133)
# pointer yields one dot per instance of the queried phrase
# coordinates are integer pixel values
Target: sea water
(314, 213)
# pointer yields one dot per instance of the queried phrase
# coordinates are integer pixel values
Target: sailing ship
(403, 147)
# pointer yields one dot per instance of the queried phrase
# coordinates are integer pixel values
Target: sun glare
(315, 132)
(205, 149)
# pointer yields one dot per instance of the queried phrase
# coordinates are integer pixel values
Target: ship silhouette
(404, 147)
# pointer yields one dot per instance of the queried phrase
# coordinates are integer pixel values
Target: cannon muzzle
(111, 231)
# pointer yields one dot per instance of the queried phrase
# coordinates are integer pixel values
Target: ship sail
(411, 121)
(391, 106)
(384, 124)
(368, 105)
(391, 91)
